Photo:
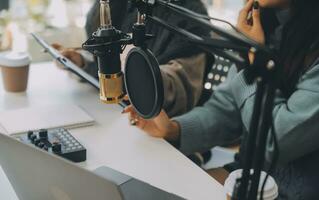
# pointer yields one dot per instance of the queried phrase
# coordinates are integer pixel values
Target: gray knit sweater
(227, 115)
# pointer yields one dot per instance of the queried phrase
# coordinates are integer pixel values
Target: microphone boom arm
(263, 70)
(216, 46)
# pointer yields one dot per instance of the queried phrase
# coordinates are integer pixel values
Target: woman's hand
(71, 54)
(253, 30)
(160, 127)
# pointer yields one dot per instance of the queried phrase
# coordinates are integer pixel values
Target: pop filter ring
(156, 79)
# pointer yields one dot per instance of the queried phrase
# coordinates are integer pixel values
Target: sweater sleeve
(217, 122)
(296, 120)
(183, 82)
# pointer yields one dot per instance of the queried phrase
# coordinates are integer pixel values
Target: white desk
(111, 141)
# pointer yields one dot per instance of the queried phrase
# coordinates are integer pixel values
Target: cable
(217, 19)
(273, 162)
(207, 17)
(182, 10)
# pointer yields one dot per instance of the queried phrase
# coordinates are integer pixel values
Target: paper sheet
(44, 117)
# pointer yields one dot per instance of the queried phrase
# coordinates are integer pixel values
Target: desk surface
(111, 141)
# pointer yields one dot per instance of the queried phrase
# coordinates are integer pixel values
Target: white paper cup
(15, 70)
(270, 191)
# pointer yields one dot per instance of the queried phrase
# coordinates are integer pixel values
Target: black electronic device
(57, 141)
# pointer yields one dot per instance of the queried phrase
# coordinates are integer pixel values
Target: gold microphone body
(111, 88)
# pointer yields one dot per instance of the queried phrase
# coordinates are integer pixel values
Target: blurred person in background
(4, 5)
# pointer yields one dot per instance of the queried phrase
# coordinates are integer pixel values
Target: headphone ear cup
(144, 83)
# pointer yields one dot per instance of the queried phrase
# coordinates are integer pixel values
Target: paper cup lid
(270, 191)
(14, 59)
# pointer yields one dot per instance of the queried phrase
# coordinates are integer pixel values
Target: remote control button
(73, 148)
(43, 133)
(32, 138)
(37, 141)
(30, 133)
(41, 145)
(57, 148)
(54, 142)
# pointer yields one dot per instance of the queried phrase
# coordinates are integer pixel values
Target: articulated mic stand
(263, 71)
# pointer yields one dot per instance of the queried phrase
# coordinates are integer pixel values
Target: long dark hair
(299, 47)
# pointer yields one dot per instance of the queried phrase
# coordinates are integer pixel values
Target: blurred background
(63, 21)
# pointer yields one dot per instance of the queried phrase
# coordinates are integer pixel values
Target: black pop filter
(143, 81)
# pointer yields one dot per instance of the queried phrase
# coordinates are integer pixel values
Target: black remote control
(58, 141)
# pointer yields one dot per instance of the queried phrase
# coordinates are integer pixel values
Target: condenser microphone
(106, 44)
(109, 63)
(143, 80)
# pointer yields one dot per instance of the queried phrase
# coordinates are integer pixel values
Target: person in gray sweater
(292, 27)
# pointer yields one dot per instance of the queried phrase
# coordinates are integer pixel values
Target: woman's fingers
(67, 53)
(135, 119)
(249, 5)
(127, 109)
(141, 124)
(243, 15)
(256, 14)
(133, 116)
(156, 127)
(57, 46)
(162, 119)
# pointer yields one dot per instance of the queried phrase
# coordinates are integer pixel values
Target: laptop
(37, 175)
